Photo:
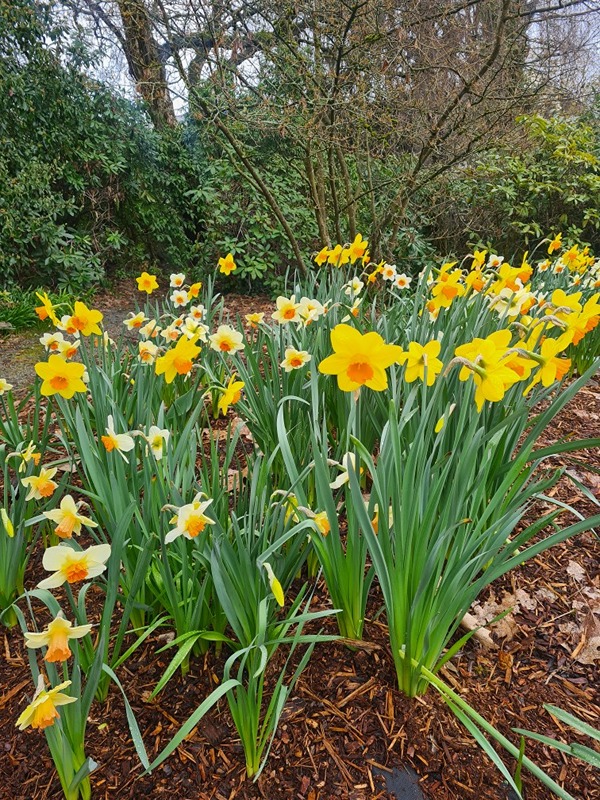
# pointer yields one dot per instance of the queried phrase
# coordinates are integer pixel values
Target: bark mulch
(346, 730)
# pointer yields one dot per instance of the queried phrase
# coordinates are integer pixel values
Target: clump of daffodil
(178, 360)
(71, 566)
(41, 712)
(190, 520)
(231, 394)
(147, 283)
(421, 361)
(60, 377)
(359, 359)
(56, 638)
(68, 519)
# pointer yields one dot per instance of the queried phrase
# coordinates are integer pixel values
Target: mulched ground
(346, 727)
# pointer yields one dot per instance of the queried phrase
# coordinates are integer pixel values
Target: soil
(346, 730)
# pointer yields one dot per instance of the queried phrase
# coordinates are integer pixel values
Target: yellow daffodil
(68, 518)
(27, 455)
(121, 442)
(274, 584)
(321, 520)
(478, 259)
(338, 256)
(485, 361)
(194, 289)
(359, 359)
(442, 420)
(231, 395)
(41, 712)
(358, 248)
(60, 377)
(294, 359)
(56, 638)
(227, 340)
(7, 523)
(71, 565)
(551, 368)
(5, 386)
(227, 265)
(46, 310)
(178, 360)
(420, 359)
(147, 283)
(322, 256)
(255, 319)
(555, 244)
(287, 310)
(190, 520)
(85, 320)
(68, 349)
(41, 485)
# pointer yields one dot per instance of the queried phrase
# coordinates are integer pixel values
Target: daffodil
(309, 310)
(287, 310)
(147, 352)
(190, 520)
(348, 462)
(51, 341)
(5, 386)
(60, 377)
(56, 638)
(227, 340)
(321, 520)
(338, 256)
(421, 360)
(274, 584)
(147, 283)
(194, 289)
(177, 279)
(227, 265)
(294, 359)
(551, 367)
(121, 442)
(68, 349)
(486, 361)
(402, 281)
(46, 310)
(41, 485)
(478, 259)
(322, 256)
(255, 319)
(358, 248)
(178, 360)
(68, 518)
(71, 565)
(197, 312)
(388, 272)
(157, 438)
(180, 298)
(85, 320)
(7, 523)
(41, 712)
(135, 321)
(231, 394)
(555, 243)
(359, 359)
